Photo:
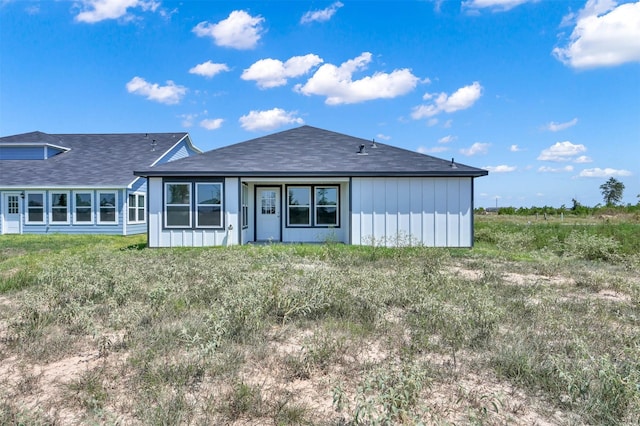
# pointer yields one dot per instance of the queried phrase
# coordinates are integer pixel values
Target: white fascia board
(269, 180)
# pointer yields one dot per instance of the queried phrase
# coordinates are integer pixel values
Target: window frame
(313, 206)
(165, 204)
(136, 207)
(245, 205)
(29, 208)
(316, 206)
(309, 223)
(67, 208)
(197, 204)
(75, 208)
(99, 208)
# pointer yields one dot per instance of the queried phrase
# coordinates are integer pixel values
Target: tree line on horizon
(612, 191)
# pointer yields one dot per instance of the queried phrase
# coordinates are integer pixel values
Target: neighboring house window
(245, 205)
(323, 201)
(326, 205)
(108, 205)
(208, 205)
(177, 205)
(35, 207)
(59, 207)
(83, 212)
(299, 205)
(136, 208)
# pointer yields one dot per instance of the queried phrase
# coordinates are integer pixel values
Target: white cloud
(99, 10)
(605, 35)
(561, 151)
(495, 5)
(602, 173)
(503, 168)
(239, 31)
(432, 122)
(211, 123)
(583, 159)
(321, 15)
(435, 149)
(337, 84)
(269, 72)
(382, 137)
(462, 98)
(556, 127)
(208, 69)
(169, 94)
(547, 169)
(269, 120)
(476, 148)
(188, 119)
(447, 139)
(515, 148)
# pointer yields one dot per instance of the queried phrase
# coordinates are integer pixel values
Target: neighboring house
(80, 183)
(310, 185)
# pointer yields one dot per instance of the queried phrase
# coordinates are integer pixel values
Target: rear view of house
(80, 183)
(311, 185)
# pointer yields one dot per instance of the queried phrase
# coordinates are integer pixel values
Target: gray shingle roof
(309, 151)
(92, 159)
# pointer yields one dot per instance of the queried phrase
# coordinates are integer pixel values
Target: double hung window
(208, 205)
(35, 207)
(316, 206)
(83, 212)
(245, 205)
(59, 207)
(108, 204)
(136, 208)
(193, 205)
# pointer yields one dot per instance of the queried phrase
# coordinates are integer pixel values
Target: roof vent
(453, 164)
(361, 151)
(153, 145)
(373, 143)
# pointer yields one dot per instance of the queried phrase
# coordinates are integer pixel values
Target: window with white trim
(108, 202)
(208, 205)
(35, 207)
(299, 206)
(245, 205)
(137, 211)
(59, 207)
(326, 205)
(83, 207)
(177, 202)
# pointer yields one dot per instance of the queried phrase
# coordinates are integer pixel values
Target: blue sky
(543, 94)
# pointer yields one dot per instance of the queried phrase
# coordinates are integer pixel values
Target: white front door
(11, 214)
(268, 214)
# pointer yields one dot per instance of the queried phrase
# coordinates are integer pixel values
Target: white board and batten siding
(161, 237)
(429, 211)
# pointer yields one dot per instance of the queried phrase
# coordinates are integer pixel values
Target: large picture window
(326, 205)
(35, 207)
(245, 205)
(108, 205)
(59, 207)
(137, 208)
(208, 205)
(83, 212)
(299, 206)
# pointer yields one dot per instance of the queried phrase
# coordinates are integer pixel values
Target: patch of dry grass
(322, 335)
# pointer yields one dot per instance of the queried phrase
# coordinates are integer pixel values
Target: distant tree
(612, 191)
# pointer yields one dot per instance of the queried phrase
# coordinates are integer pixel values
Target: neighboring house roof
(309, 151)
(105, 160)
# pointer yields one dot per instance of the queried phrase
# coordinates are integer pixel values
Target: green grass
(537, 322)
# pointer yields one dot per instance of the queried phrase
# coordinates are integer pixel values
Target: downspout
(350, 239)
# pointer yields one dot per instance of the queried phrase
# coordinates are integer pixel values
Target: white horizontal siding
(412, 211)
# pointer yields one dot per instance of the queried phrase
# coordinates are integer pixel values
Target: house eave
(236, 173)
